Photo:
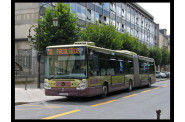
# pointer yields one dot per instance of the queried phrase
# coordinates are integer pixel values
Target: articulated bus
(84, 70)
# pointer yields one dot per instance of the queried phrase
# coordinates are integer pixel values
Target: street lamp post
(29, 36)
(55, 23)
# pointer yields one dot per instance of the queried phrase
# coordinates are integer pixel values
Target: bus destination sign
(64, 51)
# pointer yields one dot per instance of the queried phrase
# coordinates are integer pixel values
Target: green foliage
(144, 50)
(107, 36)
(102, 35)
(165, 56)
(66, 32)
(156, 54)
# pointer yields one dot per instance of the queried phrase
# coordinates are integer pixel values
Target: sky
(160, 12)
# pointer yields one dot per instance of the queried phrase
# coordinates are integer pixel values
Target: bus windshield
(66, 65)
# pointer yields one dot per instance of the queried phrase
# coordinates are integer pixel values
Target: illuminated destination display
(64, 51)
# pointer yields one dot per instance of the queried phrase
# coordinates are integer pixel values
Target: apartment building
(163, 38)
(130, 17)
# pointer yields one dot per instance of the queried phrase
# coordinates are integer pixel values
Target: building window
(118, 26)
(113, 22)
(136, 33)
(143, 36)
(118, 11)
(128, 13)
(97, 16)
(132, 31)
(99, 4)
(139, 35)
(106, 6)
(112, 7)
(123, 13)
(100, 18)
(78, 10)
(24, 58)
(132, 18)
(128, 29)
(106, 20)
(146, 23)
(142, 23)
(123, 26)
(72, 7)
(81, 11)
(90, 15)
(106, 13)
(128, 16)
(136, 19)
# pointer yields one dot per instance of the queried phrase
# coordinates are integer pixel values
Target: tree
(165, 57)
(104, 35)
(66, 32)
(155, 53)
(126, 42)
(144, 50)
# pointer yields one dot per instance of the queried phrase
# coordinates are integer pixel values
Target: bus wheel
(149, 83)
(105, 90)
(130, 86)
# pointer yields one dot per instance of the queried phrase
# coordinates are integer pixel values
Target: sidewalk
(32, 94)
(161, 79)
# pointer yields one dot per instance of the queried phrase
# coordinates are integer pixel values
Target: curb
(20, 103)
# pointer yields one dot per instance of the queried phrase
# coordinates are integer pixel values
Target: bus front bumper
(88, 92)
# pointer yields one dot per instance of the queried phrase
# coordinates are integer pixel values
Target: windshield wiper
(52, 77)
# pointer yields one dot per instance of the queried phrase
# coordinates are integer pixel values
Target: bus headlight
(83, 85)
(46, 85)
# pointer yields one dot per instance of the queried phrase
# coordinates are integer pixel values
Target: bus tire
(130, 86)
(149, 82)
(105, 90)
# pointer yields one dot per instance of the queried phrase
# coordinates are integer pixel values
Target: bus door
(136, 71)
(143, 72)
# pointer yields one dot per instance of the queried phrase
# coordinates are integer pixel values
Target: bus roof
(91, 45)
(146, 58)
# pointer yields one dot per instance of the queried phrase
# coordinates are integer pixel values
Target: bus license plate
(65, 94)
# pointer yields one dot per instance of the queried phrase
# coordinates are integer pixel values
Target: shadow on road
(97, 99)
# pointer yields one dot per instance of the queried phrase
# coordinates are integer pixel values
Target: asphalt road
(141, 103)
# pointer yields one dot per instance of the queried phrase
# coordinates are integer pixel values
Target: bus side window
(103, 72)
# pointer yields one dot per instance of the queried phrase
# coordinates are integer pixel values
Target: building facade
(163, 39)
(164, 42)
(129, 17)
(169, 43)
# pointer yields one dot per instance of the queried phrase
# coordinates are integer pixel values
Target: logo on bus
(63, 84)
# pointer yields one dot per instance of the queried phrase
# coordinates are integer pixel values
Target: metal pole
(158, 114)
(38, 83)
(38, 44)
(26, 84)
